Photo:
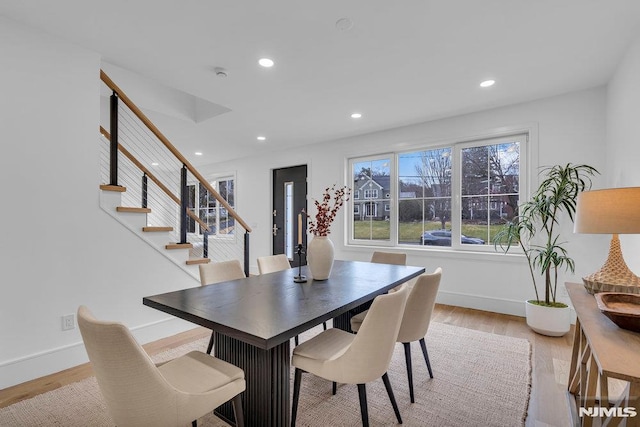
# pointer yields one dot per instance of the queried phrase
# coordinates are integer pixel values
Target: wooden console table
(602, 351)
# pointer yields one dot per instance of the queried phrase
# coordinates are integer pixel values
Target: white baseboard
(481, 302)
(36, 365)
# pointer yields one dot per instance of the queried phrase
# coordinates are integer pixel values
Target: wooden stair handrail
(140, 166)
(171, 148)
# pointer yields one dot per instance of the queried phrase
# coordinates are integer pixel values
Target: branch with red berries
(332, 200)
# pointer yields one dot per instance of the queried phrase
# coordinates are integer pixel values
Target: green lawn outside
(410, 232)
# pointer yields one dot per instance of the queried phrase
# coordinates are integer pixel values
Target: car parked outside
(443, 238)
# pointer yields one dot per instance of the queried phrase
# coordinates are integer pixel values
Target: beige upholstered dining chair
(139, 393)
(217, 272)
(343, 357)
(273, 263)
(389, 258)
(416, 319)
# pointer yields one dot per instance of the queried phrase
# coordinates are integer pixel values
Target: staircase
(152, 189)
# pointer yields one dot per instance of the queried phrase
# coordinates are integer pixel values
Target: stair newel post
(113, 148)
(144, 189)
(246, 253)
(184, 200)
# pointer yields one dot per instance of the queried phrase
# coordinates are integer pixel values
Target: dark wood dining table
(255, 318)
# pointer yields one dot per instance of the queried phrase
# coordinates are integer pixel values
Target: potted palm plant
(536, 230)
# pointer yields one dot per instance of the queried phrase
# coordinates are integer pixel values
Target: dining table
(254, 319)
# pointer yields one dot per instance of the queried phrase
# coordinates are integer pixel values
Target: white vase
(320, 257)
(550, 321)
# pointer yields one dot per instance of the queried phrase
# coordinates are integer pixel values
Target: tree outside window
(490, 179)
(424, 193)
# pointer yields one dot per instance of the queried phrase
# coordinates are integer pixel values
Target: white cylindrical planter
(550, 321)
(320, 257)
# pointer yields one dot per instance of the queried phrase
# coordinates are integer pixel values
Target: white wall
(623, 139)
(59, 249)
(570, 128)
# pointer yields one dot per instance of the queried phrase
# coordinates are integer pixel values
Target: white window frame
(213, 179)
(527, 136)
(456, 190)
(349, 218)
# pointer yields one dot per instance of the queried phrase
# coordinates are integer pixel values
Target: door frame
(278, 210)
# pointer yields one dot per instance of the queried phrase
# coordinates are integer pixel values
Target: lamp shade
(610, 211)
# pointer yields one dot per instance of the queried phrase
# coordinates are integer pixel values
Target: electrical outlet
(68, 322)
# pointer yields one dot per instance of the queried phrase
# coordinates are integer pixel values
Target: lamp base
(614, 276)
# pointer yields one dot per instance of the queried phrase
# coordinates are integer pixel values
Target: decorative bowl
(623, 309)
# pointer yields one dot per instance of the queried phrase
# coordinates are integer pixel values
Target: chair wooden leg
(324, 325)
(426, 356)
(407, 356)
(296, 395)
(237, 410)
(362, 394)
(334, 388)
(211, 342)
(387, 385)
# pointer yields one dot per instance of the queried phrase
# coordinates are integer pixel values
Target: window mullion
(456, 196)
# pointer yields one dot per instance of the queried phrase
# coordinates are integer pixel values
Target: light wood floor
(551, 356)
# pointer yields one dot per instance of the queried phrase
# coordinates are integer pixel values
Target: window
(370, 194)
(212, 213)
(489, 187)
(454, 196)
(424, 184)
(372, 177)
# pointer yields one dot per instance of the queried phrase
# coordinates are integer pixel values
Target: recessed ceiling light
(356, 115)
(197, 153)
(487, 83)
(262, 138)
(344, 24)
(266, 62)
(154, 164)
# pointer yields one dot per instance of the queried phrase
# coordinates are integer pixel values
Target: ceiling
(401, 62)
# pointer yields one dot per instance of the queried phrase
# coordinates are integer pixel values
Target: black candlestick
(300, 278)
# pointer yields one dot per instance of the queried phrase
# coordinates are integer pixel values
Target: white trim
(528, 164)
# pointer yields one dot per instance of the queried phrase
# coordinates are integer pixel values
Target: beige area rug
(480, 379)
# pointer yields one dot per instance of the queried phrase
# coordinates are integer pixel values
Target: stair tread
(133, 209)
(152, 229)
(194, 261)
(116, 188)
(179, 246)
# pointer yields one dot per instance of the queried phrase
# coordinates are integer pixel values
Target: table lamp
(610, 211)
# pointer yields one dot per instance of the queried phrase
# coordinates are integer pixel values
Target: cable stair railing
(154, 190)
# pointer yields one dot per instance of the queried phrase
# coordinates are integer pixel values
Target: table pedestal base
(266, 400)
(343, 321)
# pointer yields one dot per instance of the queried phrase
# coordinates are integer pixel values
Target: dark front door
(289, 199)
